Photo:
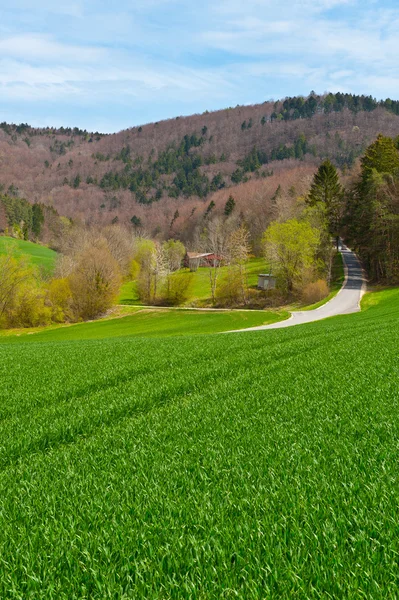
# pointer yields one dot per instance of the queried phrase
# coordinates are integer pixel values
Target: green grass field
(249, 465)
(150, 323)
(41, 256)
(201, 287)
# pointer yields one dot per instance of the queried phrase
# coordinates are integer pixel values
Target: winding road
(345, 302)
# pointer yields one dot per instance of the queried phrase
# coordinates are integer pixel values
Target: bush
(94, 283)
(316, 291)
(231, 290)
(60, 299)
(29, 309)
(177, 289)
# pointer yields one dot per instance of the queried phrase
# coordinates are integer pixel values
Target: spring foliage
(290, 249)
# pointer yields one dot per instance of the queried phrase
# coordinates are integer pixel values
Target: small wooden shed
(267, 281)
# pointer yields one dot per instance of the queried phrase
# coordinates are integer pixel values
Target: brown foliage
(39, 171)
(316, 291)
(94, 283)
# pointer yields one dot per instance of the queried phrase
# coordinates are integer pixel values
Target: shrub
(177, 288)
(94, 283)
(29, 309)
(231, 290)
(60, 299)
(316, 291)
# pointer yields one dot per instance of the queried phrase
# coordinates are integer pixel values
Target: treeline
(366, 214)
(177, 170)
(12, 129)
(149, 182)
(22, 220)
(371, 219)
(299, 107)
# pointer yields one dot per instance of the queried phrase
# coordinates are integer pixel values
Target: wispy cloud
(149, 59)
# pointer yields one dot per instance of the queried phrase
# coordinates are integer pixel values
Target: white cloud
(176, 53)
(33, 47)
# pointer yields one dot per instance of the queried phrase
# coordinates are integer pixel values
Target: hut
(267, 281)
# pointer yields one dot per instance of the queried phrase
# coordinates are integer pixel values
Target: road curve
(345, 302)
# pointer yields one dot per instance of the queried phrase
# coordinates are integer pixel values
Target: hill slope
(263, 464)
(164, 175)
(39, 255)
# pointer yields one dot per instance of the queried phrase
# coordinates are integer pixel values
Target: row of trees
(371, 217)
(366, 213)
(299, 107)
(19, 218)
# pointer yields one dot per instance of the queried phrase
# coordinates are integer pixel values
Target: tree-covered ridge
(299, 107)
(177, 170)
(12, 129)
(150, 181)
(146, 172)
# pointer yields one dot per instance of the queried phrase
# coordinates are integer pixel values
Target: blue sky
(85, 63)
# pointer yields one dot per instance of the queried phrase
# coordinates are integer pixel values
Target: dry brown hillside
(165, 175)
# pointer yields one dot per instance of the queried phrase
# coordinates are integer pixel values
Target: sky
(89, 64)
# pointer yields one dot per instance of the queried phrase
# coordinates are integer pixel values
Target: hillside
(264, 464)
(42, 257)
(164, 176)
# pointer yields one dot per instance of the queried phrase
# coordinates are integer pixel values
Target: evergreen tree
(382, 156)
(229, 206)
(327, 188)
(277, 194)
(37, 219)
(210, 208)
(136, 221)
(372, 220)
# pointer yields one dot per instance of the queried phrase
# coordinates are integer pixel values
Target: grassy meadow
(245, 465)
(149, 323)
(200, 293)
(40, 256)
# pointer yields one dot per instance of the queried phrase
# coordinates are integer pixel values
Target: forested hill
(165, 176)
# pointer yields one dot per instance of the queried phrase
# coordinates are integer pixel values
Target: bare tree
(215, 241)
(95, 282)
(239, 249)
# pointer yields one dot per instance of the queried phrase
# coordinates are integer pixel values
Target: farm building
(193, 260)
(266, 282)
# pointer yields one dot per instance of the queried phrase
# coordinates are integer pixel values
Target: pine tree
(326, 188)
(37, 220)
(210, 208)
(372, 211)
(229, 206)
(382, 156)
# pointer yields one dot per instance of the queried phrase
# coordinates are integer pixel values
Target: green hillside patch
(152, 323)
(41, 256)
(246, 465)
